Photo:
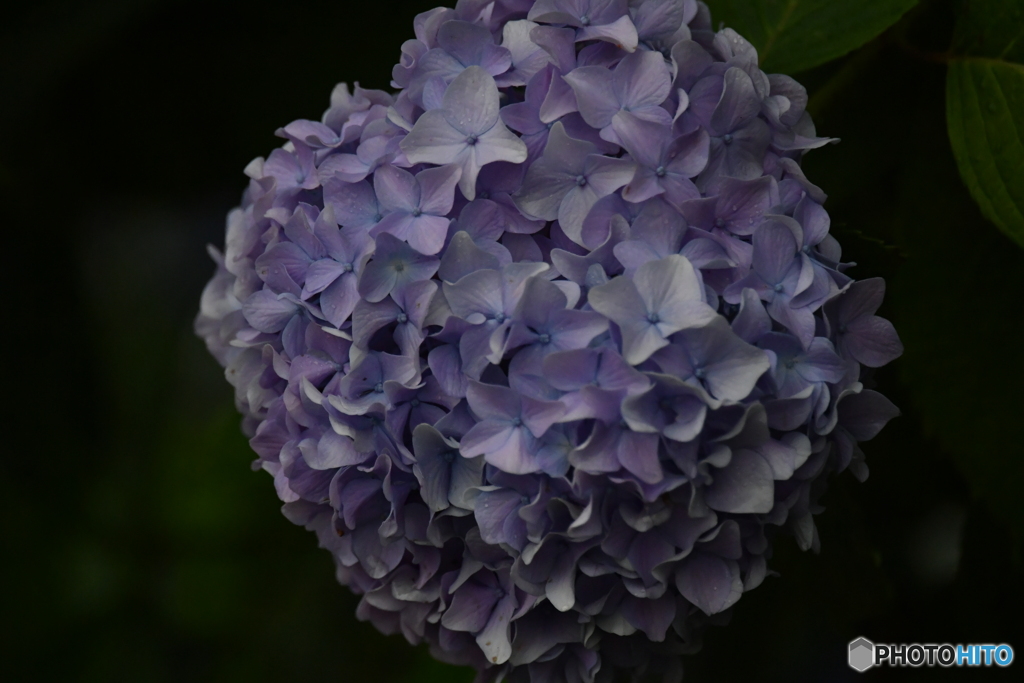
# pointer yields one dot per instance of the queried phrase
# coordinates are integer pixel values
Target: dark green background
(138, 545)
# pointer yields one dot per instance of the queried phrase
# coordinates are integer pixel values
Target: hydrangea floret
(550, 343)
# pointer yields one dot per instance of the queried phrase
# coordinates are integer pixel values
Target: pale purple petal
(745, 485)
(711, 583)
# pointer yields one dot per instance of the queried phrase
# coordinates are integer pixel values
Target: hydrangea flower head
(546, 343)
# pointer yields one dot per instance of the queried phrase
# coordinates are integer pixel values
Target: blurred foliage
(959, 301)
(990, 28)
(142, 547)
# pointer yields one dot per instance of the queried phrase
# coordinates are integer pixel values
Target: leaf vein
(1017, 134)
(780, 26)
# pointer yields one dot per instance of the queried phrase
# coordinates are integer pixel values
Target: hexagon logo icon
(861, 654)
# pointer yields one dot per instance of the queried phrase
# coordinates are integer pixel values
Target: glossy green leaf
(794, 35)
(985, 109)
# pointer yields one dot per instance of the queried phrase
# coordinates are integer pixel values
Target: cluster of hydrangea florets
(547, 345)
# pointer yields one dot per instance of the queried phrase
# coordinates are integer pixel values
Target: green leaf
(985, 110)
(794, 35)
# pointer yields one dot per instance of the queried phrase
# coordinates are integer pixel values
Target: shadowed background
(138, 544)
